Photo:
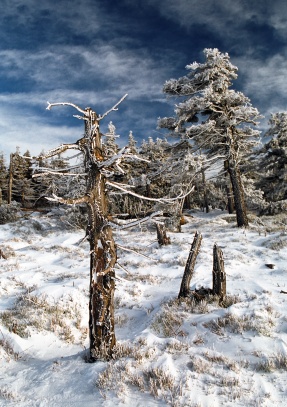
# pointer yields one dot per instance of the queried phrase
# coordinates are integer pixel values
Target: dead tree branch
(50, 105)
(114, 108)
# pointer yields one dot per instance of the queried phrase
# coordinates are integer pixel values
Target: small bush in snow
(8, 395)
(238, 325)
(168, 322)
(9, 352)
(271, 363)
(74, 217)
(9, 213)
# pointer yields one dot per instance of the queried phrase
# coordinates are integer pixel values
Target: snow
(170, 353)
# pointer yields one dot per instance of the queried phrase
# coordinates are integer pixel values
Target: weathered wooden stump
(162, 238)
(2, 255)
(218, 273)
(189, 267)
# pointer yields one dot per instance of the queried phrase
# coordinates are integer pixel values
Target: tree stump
(2, 255)
(218, 273)
(189, 267)
(162, 238)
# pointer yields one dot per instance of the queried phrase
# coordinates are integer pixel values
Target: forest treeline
(216, 151)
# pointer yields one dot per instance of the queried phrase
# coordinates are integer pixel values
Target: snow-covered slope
(169, 352)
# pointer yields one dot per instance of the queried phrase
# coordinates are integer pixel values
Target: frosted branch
(137, 222)
(50, 105)
(61, 174)
(114, 108)
(69, 201)
(134, 251)
(160, 200)
(58, 150)
(124, 269)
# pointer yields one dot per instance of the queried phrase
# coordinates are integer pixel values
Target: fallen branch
(134, 251)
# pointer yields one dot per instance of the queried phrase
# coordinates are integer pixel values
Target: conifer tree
(20, 179)
(219, 120)
(273, 160)
(132, 143)
(3, 179)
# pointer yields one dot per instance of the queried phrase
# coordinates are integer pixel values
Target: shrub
(9, 213)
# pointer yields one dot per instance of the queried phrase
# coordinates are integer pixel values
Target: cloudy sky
(92, 52)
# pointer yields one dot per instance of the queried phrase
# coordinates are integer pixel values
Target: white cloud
(29, 133)
(265, 81)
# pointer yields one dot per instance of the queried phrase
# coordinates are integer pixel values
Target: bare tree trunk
(189, 268)
(162, 238)
(230, 200)
(205, 198)
(102, 248)
(239, 201)
(229, 193)
(218, 273)
(103, 254)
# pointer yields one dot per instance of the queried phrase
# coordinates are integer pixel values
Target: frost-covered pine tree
(132, 144)
(273, 159)
(3, 179)
(20, 185)
(110, 146)
(219, 120)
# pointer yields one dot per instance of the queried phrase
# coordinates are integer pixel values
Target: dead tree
(99, 233)
(162, 238)
(189, 268)
(218, 273)
(103, 255)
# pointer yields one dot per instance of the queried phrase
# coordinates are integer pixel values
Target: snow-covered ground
(169, 352)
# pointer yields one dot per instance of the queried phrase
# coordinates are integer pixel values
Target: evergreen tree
(3, 179)
(20, 179)
(132, 144)
(215, 117)
(110, 146)
(273, 160)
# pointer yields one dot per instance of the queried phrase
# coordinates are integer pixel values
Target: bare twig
(61, 174)
(69, 201)
(114, 108)
(123, 268)
(136, 222)
(134, 251)
(161, 200)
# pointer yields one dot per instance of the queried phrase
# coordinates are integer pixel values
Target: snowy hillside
(169, 352)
